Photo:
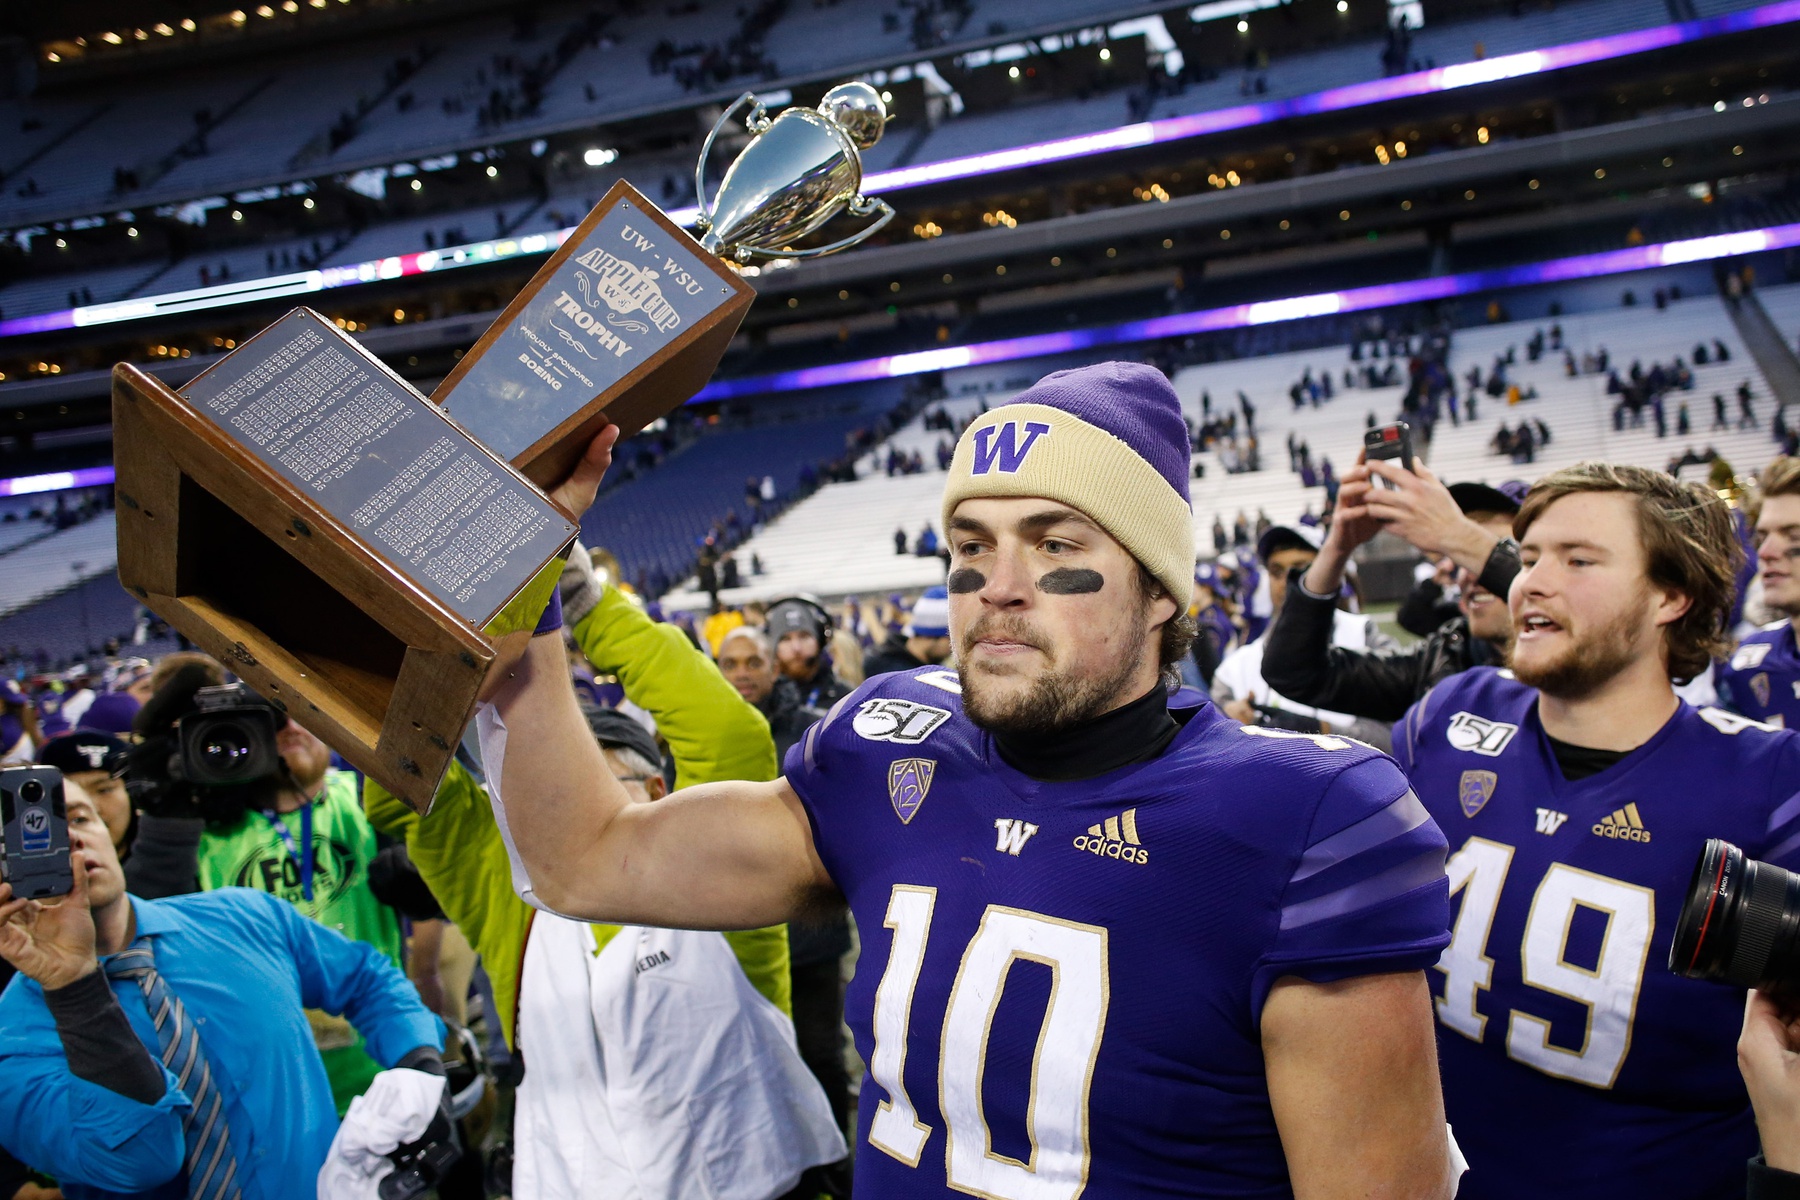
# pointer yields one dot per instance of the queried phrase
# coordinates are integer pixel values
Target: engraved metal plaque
(626, 291)
(324, 413)
(625, 322)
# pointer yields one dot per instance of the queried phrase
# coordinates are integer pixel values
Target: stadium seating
(655, 523)
(256, 138)
(841, 539)
(1782, 303)
(49, 565)
(1579, 412)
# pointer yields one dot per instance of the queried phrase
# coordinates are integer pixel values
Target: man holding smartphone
(150, 1043)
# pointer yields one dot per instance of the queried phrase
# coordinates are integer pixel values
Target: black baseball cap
(84, 750)
(615, 730)
(1286, 537)
(1505, 498)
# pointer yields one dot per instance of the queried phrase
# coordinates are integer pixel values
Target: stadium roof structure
(1134, 136)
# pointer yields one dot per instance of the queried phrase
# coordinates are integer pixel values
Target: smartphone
(1389, 441)
(36, 842)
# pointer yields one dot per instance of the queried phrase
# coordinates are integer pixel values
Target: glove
(579, 587)
(398, 1108)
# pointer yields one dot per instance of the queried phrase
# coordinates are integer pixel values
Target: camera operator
(160, 1047)
(268, 814)
(1470, 523)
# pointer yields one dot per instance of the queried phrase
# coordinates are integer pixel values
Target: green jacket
(714, 735)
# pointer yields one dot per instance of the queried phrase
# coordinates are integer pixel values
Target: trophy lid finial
(858, 109)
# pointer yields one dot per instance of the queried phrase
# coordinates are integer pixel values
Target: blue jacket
(246, 966)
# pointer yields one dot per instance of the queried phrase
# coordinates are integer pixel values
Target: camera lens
(31, 791)
(1740, 923)
(226, 749)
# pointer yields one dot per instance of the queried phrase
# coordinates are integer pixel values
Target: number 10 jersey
(1061, 984)
(1575, 1063)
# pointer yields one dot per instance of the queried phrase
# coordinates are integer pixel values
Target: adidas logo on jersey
(1623, 824)
(1013, 834)
(1116, 837)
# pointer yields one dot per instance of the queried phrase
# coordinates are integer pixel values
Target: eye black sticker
(965, 579)
(1071, 581)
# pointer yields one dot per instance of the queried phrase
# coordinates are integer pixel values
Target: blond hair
(1689, 540)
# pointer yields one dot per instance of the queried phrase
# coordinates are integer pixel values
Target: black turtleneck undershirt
(1133, 733)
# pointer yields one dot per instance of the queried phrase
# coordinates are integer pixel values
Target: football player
(1577, 791)
(1762, 677)
(1114, 943)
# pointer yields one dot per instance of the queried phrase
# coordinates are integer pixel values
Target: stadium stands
(841, 539)
(48, 565)
(252, 135)
(654, 524)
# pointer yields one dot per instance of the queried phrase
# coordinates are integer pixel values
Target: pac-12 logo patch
(909, 779)
(1479, 735)
(1475, 790)
(902, 721)
(1759, 687)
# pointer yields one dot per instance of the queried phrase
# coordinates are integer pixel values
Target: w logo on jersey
(999, 445)
(1013, 834)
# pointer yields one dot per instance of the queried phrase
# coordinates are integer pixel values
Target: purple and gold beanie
(1107, 440)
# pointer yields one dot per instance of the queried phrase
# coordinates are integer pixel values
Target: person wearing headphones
(801, 628)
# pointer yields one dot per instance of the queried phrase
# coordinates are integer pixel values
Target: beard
(1586, 665)
(1056, 700)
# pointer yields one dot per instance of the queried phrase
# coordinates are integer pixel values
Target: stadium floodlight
(597, 157)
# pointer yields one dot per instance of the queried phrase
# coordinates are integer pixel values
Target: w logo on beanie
(1000, 444)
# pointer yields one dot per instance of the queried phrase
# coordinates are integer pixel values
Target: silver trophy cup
(799, 170)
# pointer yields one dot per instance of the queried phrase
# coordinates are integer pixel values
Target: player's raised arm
(718, 856)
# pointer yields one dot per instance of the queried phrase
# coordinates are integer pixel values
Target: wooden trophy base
(257, 572)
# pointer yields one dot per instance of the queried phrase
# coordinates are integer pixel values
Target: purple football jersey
(1575, 1063)
(1061, 984)
(1761, 679)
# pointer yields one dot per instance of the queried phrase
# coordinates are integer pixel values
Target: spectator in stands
(1240, 687)
(1468, 523)
(801, 628)
(900, 540)
(98, 1034)
(927, 544)
(645, 1049)
(19, 736)
(923, 642)
(298, 834)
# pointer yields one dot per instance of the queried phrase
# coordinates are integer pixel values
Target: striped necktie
(212, 1167)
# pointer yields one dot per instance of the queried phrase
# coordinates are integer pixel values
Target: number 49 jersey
(1061, 984)
(1575, 1063)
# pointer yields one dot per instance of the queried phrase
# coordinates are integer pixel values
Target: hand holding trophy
(364, 557)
